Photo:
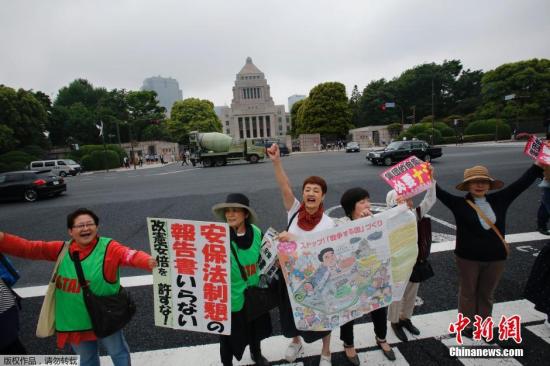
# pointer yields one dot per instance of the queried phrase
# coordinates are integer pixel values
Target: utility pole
(433, 111)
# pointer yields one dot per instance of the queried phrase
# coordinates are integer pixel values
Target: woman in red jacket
(101, 258)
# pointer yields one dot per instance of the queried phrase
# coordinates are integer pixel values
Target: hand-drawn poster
(192, 281)
(337, 275)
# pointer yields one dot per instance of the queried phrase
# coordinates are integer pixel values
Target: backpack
(8, 273)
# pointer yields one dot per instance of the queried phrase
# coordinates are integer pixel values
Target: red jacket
(117, 255)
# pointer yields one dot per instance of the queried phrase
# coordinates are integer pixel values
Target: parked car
(61, 167)
(352, 146)
(30, 185)
(400, 150)
(283, 149)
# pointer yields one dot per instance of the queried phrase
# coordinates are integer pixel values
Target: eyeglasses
(84, 226)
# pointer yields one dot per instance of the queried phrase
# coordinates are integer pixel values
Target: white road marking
(541, 330)
(433, 325)
(175, 172)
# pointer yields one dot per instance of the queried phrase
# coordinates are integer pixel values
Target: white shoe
(547, 324)
(325, 361)
(292, 351)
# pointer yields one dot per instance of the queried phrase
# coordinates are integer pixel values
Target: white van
(61, 167)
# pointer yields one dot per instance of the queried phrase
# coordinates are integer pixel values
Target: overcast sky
(297, 44)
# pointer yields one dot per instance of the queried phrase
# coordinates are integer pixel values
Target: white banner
(193, 278)
(337, 275)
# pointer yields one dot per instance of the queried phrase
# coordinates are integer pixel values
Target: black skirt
(537, 289)
(244, 333)
(288, 326)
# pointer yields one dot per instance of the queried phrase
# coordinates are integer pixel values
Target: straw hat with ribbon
(235, 200)
(478, 172)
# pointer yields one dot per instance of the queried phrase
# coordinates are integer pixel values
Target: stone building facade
(253, 114)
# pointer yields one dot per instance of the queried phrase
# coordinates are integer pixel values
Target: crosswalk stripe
(433, 325)
(540, 330)
(145, 280)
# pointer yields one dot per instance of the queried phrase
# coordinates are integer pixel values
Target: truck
(217, 149)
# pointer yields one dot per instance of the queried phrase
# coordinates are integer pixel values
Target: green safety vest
(249, 260)
(70, 311)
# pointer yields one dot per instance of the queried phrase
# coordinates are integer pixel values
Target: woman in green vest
(246, 240)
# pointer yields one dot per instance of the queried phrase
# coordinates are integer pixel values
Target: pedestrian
(543, 214)
(184, 159)
(141, 161)
(10, 344)
(302, 218)
(400, 312)
(162, 159)
(481, 250)
(537, 289)
(101, 258)
(356, 205)
(125, 160)
(246, 241)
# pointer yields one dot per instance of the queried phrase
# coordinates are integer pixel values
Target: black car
(400, 150)
(30, 185)
(283, 149)
(352, 146)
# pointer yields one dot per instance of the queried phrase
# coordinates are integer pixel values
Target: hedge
(489, 126)
(97, 160)
(84, 150)
(15, 160)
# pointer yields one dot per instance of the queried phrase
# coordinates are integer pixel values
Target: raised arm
(280, 176)
(30, 249)
(428, 201)
(513, 190)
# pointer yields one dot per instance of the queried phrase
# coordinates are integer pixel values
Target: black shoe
(468, 332)
(409, 326)
(399, 332)
(260, 360)
(543, 230)
(352, 360)
(389, 354)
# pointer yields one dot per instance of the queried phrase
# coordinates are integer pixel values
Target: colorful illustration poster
(409, 177)
(192, 281)
(339, 274)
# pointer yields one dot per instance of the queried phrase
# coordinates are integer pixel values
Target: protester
(400, 312)
(356, 205)
(72, 322)
(246, 241)
(303, 218)
(480, 252)
(537, 289)
(10, 344)
(543, 213)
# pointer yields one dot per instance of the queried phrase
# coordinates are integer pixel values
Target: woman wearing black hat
(246, 241)
(356, 205)
(303, 218)
(481, 250)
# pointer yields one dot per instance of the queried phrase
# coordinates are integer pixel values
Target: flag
(390, 104)
(100, 128)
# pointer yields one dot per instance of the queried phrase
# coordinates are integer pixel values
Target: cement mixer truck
(216, 149)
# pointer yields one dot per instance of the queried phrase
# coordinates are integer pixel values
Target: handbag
(488, 222)
(424, 226)
(257, 300)
(109, 313)
(46, 320)
(422, 271)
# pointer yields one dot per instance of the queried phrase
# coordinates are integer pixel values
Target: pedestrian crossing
(433, 326)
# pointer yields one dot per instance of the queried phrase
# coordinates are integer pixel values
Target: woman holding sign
(481, 250)
(246, 242)
(100, 259)
(303, 217)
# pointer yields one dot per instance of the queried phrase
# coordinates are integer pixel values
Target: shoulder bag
(46, 319)
(108, 314)
(257, 300)
(422, 269)
(488, 222)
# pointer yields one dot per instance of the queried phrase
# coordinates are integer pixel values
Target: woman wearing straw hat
(303, 218)
(246, 241)
(480, 249)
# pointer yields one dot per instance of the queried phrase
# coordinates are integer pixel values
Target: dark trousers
(14, 348)
(226, 350)
(477, 282)
(379, 320)
(544, 209)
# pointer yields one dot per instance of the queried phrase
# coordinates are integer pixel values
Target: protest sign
(339, 274)
(537, 149)
(409, 177)
(268, 253)
(192, 281)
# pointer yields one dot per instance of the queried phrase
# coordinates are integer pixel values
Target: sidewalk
(123, 169)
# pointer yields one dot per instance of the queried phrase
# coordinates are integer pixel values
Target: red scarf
(307, 221)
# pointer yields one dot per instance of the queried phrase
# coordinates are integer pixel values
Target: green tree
(24, 115)
(326, 111)
(354, 105)
(7, 141)
(295, 120)
(144, 110)
(192, 114)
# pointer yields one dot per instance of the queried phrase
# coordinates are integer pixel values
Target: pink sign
(409, 177)
(538, 150)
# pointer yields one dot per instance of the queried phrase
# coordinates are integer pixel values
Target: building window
(241, 132)
(227, 123)
(227, 131)
(247, 126)
(268, 126)
(261, 123)
(254, 127)
(280, 120)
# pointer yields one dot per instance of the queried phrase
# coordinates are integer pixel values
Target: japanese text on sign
(409, 177)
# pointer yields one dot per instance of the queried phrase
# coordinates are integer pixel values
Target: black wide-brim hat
(235, 200)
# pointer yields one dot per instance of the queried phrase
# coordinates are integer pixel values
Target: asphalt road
(124, 199)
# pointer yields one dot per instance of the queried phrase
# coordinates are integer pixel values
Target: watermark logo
(508, 328)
